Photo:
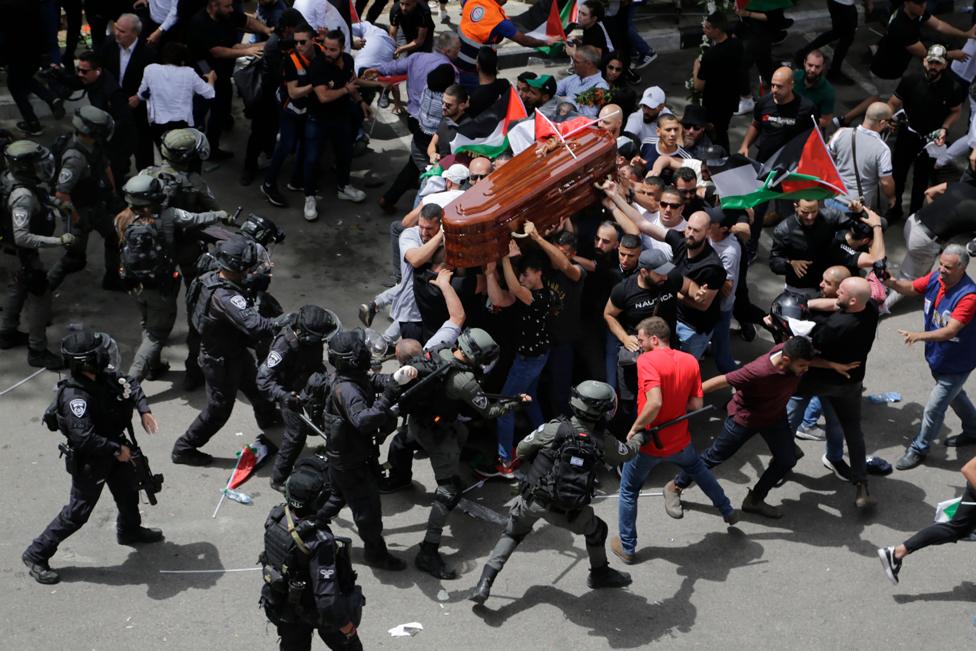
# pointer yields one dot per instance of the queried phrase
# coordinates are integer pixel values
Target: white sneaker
(311, 212)
(349, 193)
(746, 105)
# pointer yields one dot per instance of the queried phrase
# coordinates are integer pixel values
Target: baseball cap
(545, 83)
(653, 97)
(718, 216)
(655, 260)
(937, 53)
(456, 173)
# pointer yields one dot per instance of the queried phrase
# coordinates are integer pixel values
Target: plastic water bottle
(882, 398)
(239, 497)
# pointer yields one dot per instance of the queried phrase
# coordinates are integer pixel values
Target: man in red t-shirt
(763, 387)
(950, 349)
(668, 386)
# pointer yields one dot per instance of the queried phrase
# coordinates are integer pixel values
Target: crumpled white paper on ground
(406, 630)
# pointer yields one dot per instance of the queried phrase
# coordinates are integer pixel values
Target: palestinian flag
(247, 462)
(487, 134)
(528, 132)
(555, 26)
(801, 169)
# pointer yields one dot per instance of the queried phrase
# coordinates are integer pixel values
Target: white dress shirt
(163, 12)
(320, 14)
(169, 92)
(125, 54)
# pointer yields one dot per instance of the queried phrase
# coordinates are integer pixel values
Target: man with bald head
(478, 169)
(779, 116)
(844, 340)
(611, 119)
(872, 181)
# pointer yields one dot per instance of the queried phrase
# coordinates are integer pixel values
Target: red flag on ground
(246, 463)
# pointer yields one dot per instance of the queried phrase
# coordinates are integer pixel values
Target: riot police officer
(183, 150)
(565, 455)
(93, 409)
(296, 353)
(33, 217)
(224, 314)
(309, 583)
(85, 182)
(433, 422)
(265, 233)
(149, 234)
(356, 411)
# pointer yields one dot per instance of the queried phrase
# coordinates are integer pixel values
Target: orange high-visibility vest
(478, 19)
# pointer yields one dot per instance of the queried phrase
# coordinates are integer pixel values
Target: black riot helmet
(307, 486)
(315, 325)
(348, 351)
(86, 350)
(262, 230)
(593, 401)
(478, 346)
(786, 306)
(237, 254)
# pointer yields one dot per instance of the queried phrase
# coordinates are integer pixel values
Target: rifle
(143, 477)
(674, 421)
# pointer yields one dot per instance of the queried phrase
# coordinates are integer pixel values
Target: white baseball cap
(456, 173)
(653, 97)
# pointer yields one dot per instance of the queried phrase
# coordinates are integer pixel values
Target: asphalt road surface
(810, 580)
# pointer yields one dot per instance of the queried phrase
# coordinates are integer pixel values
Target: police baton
(674, 421)
(312, 426)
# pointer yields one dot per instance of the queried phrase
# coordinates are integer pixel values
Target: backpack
(565, 473)
(144, 257)
(424, 396)
(286, 595)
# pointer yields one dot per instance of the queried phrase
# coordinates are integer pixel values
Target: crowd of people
(579, 351)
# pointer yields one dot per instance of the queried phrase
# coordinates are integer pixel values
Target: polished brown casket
(540, 187)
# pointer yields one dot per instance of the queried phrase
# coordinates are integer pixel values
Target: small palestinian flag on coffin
(801, 169)
(487, 133)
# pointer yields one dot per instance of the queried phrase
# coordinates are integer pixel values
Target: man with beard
(540, 95)
(932, 101)
(810, 82)
(642, 124)
(698, 312)
(758, 406)
(866, 172)
(213, 35)
(336, 115)
(800, 248)
(603, 272)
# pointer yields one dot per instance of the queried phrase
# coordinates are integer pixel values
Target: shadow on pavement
(144, 564)
(965, 591)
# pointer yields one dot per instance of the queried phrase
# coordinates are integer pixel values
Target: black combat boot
(429, 560)
(139, 535)
(191, 457)
(40, 571)
(607, 577)
(384, 560)
(483, 590)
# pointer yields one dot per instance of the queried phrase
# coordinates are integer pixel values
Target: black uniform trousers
(909, 152)
(99, 218)
(399, 455)
(292, 444)
(843, 26)
(225, 376)
(356, 484)
(298, 637)
(86, 488)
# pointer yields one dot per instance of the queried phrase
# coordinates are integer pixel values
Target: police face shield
(108, 353)
(376, 343)
(258, 275)
(44, 169)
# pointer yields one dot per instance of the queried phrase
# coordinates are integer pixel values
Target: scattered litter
(406, 630)
(238, 433)
(442, 595)
(882, 398)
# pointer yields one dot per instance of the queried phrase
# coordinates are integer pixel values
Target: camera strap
(857, 173)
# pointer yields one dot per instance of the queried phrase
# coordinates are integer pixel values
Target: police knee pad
(447, 494)
(598, 537)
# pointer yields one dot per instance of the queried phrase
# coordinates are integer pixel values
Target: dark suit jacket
(141, 57)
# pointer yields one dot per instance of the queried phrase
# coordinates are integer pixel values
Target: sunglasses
(693, 127)
(301, 41)
(668, 204)
(477, 177)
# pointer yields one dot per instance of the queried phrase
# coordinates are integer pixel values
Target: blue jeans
(635, 473)
(523, 377)
(722, 344)
(795, 410)
(947, 392)
(733, 436)
(692, 342)
(291, 133)
(639, 44)
(812, 413)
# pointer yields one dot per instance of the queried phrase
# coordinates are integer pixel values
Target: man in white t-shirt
(323, 17)
(642, 123)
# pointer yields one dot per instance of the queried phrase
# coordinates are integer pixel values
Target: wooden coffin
(541, 188)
